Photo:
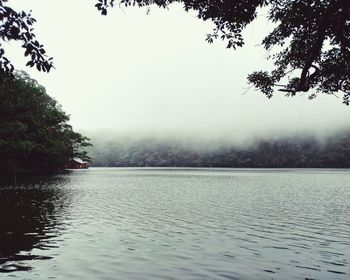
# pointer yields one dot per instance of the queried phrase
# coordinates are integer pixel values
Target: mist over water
(154, 74)
(212, 138)
(150, 92)
(327, 150)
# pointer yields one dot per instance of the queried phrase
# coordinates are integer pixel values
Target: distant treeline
(293, 152)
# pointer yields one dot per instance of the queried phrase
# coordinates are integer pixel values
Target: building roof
(78, 160)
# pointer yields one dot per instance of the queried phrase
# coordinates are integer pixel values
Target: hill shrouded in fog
(283, 152)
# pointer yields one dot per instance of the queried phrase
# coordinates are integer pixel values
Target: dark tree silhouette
(34, 131)
(18, 26)
(309, 46)
(310, 42)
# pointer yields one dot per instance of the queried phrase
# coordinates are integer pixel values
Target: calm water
(177, 224)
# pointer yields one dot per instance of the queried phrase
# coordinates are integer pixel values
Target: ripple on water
(171, 224)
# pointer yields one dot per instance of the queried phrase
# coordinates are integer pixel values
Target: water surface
(110, 223)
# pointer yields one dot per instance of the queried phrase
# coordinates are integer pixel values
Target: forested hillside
(303, 152)
(34, 132)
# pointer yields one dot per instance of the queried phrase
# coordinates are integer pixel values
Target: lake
(124, 223)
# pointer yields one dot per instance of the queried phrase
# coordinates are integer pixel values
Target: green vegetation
(292, 152)
(34, 134)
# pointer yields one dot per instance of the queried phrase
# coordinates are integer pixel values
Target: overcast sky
(134, 73)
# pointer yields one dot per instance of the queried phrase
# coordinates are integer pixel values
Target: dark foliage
(283, 153)
(18, 26)
(34, 133)
(310, 44)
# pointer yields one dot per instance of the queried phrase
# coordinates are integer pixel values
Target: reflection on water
(178, 224)
(31, 215)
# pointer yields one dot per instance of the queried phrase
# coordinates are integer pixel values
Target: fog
(136, 75)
